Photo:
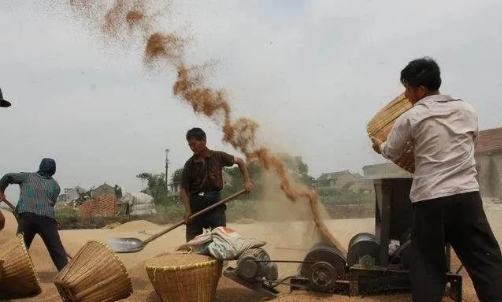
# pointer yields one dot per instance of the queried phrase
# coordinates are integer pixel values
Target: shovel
(11, 206)
(132, 245)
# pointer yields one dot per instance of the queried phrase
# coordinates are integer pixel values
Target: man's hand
(2, 196)
(376, 144)
(187, 216)
(249, 186)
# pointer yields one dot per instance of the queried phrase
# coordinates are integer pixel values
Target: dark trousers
(31, 224)
(212, 219)
(461, 221)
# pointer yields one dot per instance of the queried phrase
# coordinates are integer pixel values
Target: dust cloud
(191, 88)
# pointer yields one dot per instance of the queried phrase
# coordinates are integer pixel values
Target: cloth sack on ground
(198, 244)
(227, 244)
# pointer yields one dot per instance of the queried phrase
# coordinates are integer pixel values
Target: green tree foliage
(296, 167)
(176, 177)
(156, 186)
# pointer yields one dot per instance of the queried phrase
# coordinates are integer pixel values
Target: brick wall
(104, 205)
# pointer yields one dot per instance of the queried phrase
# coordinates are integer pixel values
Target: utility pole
(167, 169)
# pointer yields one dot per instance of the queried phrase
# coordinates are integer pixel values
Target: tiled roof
(489, 141)
(332, 175)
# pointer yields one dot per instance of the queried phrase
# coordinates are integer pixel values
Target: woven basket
(184, 277)
(19, 278)
(95, 274)
(381, 125)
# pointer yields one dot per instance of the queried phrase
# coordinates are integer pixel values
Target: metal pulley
(323, 266)
(364, 250)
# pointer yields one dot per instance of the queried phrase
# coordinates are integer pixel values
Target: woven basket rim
(181, 267)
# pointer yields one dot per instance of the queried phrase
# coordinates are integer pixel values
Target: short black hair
(197, 134)
(422, 72)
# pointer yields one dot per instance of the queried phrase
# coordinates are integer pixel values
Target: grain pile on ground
(285, 240)
(138, 225)
(184, 277)
(95, 274)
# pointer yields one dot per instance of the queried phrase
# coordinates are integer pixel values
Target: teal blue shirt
(38, 193)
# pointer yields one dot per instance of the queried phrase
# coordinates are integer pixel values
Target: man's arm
(185, 198)
(394, 147)
(8, 179)
(244, 172)
(186, 202)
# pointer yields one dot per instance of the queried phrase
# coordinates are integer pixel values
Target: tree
(176, 177)
(296, 167)
(156, 186)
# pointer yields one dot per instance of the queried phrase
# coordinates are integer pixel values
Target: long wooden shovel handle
(219, 203)
(14, 208)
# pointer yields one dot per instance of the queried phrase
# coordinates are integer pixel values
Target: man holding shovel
(35, 209)
(202, 182)
(3, 103)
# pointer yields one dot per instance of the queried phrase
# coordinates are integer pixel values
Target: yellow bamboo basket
(381, 125)
(19, 278)
(95, 274)
(184, 277)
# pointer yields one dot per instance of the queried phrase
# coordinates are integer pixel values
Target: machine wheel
(322, 277)
(404, 255)
(364, 250)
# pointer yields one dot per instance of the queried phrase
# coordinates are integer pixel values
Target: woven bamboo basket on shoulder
(19, 278)
(381, 125)
(95, 274)
(184, 277)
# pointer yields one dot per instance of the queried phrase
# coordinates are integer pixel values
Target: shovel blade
(125, 245)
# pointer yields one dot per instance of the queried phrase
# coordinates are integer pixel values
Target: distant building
(489, 162)
(343, 181)
(385, 170)
(70, 194)
(102, 190)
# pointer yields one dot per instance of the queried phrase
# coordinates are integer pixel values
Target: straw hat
(184, 277)
(19, 278)
(381, 125)
(95, 274)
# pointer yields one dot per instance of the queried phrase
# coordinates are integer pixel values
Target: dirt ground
(285, 241)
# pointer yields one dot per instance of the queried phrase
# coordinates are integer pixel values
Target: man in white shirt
(447, 206)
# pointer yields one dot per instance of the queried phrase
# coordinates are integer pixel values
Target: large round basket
(184, 277)
(95, 274)
(381, 125)
(19, 278)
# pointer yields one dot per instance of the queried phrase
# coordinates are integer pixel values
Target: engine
(254, 265)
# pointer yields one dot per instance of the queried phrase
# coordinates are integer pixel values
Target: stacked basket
(184, 277)
(95, 274)
(382, 123)
(19, 278)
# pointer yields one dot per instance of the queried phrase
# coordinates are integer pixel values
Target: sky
(311, 73)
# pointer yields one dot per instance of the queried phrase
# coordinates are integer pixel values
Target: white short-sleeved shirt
(443, 132)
